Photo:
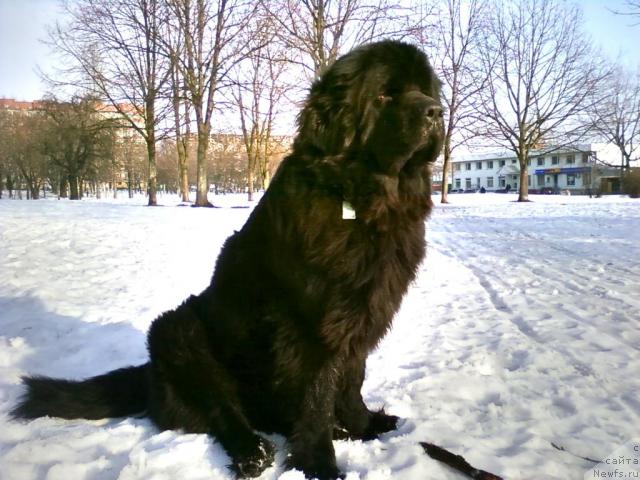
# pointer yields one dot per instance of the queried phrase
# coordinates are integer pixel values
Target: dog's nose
(434, 112)
(432, 109)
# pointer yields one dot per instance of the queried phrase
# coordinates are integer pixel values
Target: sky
(23, 24)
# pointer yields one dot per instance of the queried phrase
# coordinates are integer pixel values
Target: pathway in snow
(534, 314)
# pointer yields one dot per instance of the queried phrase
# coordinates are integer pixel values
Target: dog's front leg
(354, 419)
(311, 439)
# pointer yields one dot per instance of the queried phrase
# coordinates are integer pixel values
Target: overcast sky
(23, 23)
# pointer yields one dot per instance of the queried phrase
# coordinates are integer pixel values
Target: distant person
(508, 189)
(483, 190)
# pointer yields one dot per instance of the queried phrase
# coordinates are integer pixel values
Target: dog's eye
(384, 97)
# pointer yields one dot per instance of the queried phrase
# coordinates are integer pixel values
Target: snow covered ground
(522, 329)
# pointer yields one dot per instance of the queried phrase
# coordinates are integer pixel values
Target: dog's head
(381, 99)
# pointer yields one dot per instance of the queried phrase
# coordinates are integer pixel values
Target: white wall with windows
(576, 169)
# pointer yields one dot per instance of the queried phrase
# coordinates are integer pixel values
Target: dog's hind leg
(191, 391)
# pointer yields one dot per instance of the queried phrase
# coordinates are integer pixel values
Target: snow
(521, 329)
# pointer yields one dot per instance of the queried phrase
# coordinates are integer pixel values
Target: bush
(631, 183)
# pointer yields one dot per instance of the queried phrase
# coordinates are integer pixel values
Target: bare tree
(458, 28)
(258, 95)
(174, 47)
(182, 127)
(630, 8)
(5, 138)
(168, 176)
(129, 158)
(76, 136)
(540, 70)
(116, 47)
(616, 115)
(213, 44)
(23, 149)
(319, 30)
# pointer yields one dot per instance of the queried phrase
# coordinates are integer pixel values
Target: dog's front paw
(254, 459)
(380, 422)
(313, 466)
(322, 472)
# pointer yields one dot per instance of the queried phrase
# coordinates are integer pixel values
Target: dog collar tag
(348, 213)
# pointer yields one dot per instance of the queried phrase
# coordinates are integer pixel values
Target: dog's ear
(327, 121)
(332, 115)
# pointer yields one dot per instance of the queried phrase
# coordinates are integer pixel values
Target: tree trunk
(202, 182)
(74, 187)
(152, 185)
(266, 180)
(183, 174)
(63, 192)
(130, 182)
(523, 191)
(35, 190)
(250, 182)
(445, 168)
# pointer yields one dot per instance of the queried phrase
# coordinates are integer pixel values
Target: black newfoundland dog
(302, 294)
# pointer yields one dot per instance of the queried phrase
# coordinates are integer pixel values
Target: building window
(502, 163)
(571, 159)
(467, 166)
(490, 164)
(467, 183)
(529, 180)
(489, 182)
(478, 165)
(513, 162)
(501, 182)
(540, 180)
(458, 183)
(571, 179)
(555, 160)
(456, 167)
(529, 163)
(585, 157)
(477, 182)
(540, 161)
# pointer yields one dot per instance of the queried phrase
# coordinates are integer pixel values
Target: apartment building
(578, 169)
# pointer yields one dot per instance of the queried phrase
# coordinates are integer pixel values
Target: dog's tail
(118, 393)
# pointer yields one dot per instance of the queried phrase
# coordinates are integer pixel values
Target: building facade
(580, 169)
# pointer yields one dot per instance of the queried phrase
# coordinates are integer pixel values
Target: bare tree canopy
(75, 137)
(630, 8)
(458, 27)
(616, 116)
(213, 43)
(319, 30)
(259, 97)
(541, 71)
(22, 148)
(115, 48)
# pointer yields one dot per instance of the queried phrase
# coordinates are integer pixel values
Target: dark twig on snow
(457, 462)
(562, 449)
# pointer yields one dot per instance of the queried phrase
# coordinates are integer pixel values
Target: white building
(578, 168)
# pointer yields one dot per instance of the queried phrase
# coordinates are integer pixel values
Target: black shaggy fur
(300, 296)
